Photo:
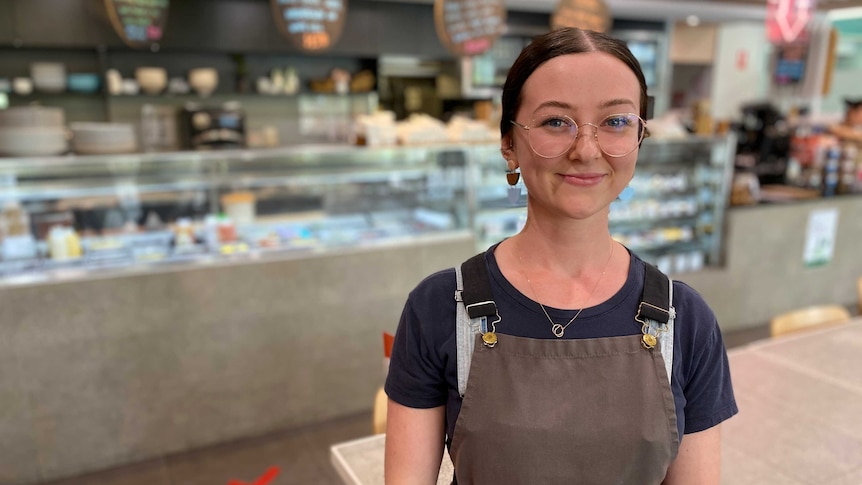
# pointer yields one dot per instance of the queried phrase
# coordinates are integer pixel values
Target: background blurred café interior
(211, 212)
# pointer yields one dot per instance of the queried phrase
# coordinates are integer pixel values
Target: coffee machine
(212, 128)
(763, 144)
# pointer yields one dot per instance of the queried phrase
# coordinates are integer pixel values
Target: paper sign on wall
(820, 237)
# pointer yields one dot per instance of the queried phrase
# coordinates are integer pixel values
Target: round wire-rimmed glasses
(552, 135)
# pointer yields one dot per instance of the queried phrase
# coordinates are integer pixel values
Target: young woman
(567, 380)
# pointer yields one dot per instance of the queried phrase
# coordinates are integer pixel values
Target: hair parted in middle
(557, 43)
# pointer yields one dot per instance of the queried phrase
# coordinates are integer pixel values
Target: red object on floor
(267, 477)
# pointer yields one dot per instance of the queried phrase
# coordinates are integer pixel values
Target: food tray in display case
(74, 216)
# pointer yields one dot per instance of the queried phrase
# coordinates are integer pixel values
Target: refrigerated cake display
(146, 211)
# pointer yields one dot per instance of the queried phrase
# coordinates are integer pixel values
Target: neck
(570, 248)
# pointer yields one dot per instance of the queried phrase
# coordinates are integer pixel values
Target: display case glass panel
(68, 216)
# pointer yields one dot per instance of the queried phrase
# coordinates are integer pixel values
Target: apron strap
(656, 310)
(473, 309)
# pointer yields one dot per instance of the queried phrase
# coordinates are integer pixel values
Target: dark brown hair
(557, 43)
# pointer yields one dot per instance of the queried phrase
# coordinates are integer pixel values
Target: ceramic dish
(103, 138)
(83, 82)
(32, 116)
(18, 141)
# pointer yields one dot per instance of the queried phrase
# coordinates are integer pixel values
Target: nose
(582, 143)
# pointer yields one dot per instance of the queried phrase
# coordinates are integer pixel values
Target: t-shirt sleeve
(708, 389)
(416, 367)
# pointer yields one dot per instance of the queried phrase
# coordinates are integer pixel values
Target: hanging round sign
(312, 25)
(583, 14)
(469, 27)
(140, 23)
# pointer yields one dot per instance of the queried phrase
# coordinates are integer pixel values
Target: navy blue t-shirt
(423, 370)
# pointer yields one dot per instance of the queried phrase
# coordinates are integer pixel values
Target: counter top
(360, 462)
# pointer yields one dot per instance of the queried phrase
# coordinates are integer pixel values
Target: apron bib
(550, 411)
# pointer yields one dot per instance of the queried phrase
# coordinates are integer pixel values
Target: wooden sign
(583, 14)
(140, 23)
(469, 27)
(312, 25)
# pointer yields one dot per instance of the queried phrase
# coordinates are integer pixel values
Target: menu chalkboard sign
(140, 23)
(583, 14)
(469, 27)
(312, 25)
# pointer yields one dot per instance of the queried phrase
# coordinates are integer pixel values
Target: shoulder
(435, 287)
(431, 308)
(693, 313)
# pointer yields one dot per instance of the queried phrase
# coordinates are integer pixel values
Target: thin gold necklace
(558, 329)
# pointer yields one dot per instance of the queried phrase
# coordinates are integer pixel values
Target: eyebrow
(607, 104)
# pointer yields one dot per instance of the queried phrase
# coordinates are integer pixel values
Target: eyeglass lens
(617, 135)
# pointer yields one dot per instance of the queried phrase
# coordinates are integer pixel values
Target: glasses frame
(643, 134)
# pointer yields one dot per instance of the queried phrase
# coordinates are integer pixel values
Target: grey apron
(574, 411)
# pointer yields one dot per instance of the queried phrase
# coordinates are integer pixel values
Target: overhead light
(844, 13)
(692, 20)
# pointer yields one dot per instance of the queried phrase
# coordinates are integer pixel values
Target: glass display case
(76, 216)
(674, 218)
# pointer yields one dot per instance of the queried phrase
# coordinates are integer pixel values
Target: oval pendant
(558, 330)
(489, 339)
(648, 341)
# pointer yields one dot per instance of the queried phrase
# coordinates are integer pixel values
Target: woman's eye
(618, 121)
(557, 123)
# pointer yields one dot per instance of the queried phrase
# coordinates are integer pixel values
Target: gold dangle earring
(512, 177)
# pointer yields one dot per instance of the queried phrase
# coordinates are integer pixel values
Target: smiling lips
(583, 179)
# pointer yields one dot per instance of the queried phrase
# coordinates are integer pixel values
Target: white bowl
(103, 138)
(32, 116)
(130, 87)
(22, 86)
(18, 141)
(203, 80)
(49, 77)
(153, 80)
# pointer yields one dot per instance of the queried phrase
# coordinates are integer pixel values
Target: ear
(508, 152)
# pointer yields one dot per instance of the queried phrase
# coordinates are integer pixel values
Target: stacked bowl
(103, 138)
(48, 77)
(27, 131)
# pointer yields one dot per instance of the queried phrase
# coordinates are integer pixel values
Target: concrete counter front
(99, 372)
(764, 273)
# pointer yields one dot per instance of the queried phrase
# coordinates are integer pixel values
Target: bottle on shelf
(831, 171)
(847, 180)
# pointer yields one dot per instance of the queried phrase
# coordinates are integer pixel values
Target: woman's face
(854, 116)
(587, 88)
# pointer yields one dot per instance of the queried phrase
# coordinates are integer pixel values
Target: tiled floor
(302, 455)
